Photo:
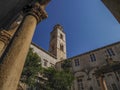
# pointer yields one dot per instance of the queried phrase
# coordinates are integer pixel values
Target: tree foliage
(55, 80)
(66, 65)
(31, 68)
(58, 80)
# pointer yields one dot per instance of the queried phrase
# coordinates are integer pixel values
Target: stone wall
(47, 59)
(83, 68)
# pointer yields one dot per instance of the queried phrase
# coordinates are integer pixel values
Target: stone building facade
(47, 59)
(83, 66)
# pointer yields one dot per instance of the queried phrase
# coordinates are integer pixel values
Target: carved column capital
(5, 36)
(38, 12)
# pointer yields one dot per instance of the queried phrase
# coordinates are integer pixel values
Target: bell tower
(58, 42)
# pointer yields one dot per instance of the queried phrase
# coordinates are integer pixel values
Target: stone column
(102, 83)
(13, 61)
(5, 37)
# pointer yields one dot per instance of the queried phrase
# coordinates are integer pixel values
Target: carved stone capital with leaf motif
(38, 12)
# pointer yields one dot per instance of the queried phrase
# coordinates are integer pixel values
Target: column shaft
(102, 83)
(11, 68)
(14, 58)
(4, 39)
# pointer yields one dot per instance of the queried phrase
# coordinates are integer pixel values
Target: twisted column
(14, 59)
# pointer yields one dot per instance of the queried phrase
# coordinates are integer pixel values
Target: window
(92, 57)
(110, 52)
(114, 87)
(45, 62)
(61, 47)
(77, 62)
(61, 36)
(80, 84)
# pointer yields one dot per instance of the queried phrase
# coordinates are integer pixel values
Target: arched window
(80, 84)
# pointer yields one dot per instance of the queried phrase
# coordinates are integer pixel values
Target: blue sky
(88, 25)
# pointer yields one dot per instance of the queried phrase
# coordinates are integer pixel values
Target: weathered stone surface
(14, 58)
(11, 68)
(5, 37)
(57, 44)
(84, 72)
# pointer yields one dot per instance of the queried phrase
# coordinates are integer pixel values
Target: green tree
(31, 68)
(66, 65)
(58, 80)
(52, 78)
